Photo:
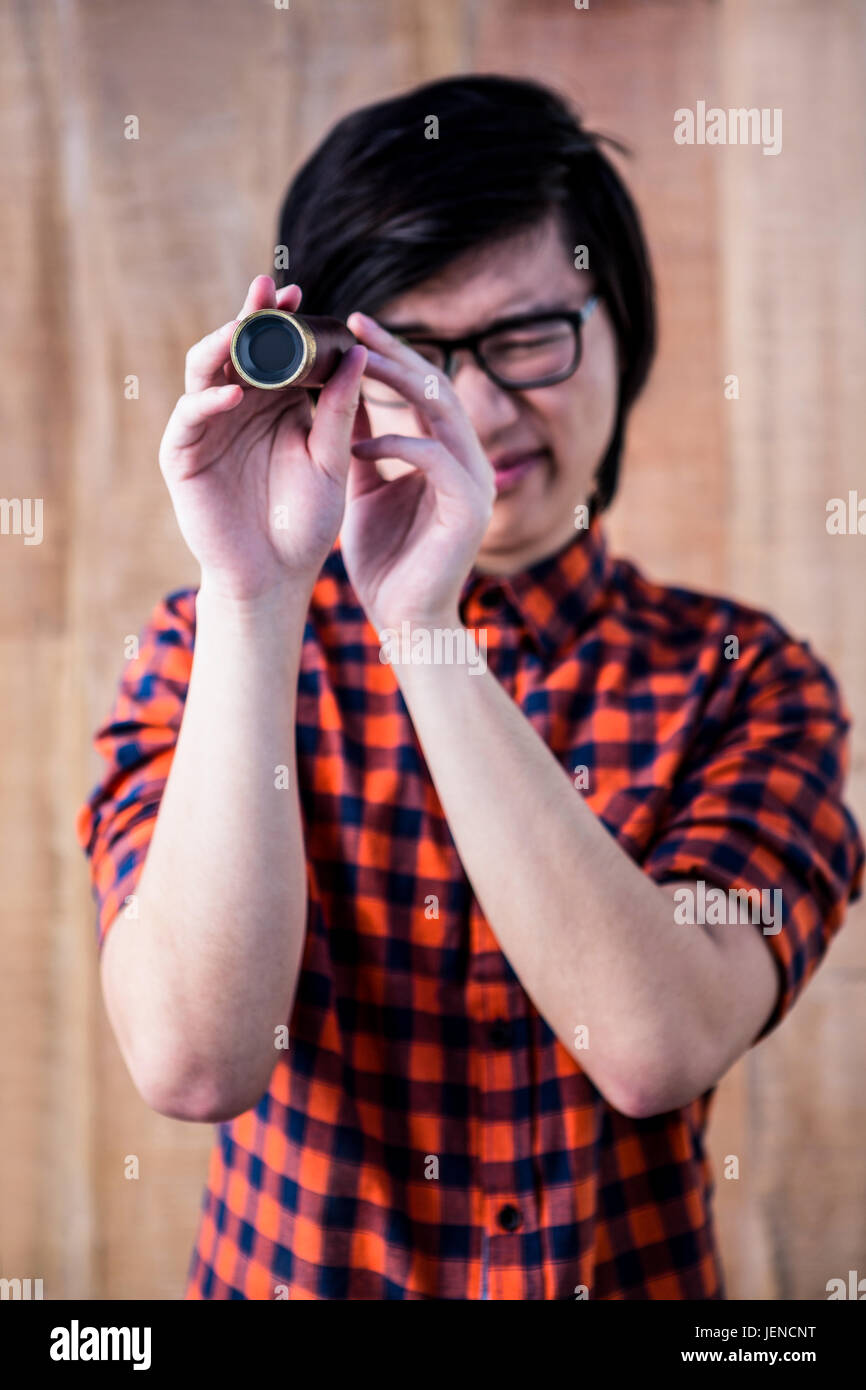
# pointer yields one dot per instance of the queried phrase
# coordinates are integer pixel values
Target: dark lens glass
(270, 349)
(536, 351)
(431, 353)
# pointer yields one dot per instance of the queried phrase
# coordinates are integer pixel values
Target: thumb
(330, 438)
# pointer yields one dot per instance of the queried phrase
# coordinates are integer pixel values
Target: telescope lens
(270, 349)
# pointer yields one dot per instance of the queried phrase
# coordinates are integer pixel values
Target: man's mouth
(512, 468)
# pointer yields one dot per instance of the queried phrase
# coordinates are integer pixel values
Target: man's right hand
(258, 484)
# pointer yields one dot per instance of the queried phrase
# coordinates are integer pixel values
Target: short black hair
(379, 207)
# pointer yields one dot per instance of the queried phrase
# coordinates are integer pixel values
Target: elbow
(196, 1107)
(640, 1090)
(199, 1099)
(639, 1102)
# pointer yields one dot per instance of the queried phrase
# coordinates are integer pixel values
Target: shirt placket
(509, 1205)
(497, 1006)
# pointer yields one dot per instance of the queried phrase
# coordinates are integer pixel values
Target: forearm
(198, 981)
(590, 936)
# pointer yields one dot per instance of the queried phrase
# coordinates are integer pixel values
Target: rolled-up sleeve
(762, 809)
(115, 824)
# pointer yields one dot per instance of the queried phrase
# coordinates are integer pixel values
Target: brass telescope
(273, 349)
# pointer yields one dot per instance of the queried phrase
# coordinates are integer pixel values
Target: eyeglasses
(518, 354)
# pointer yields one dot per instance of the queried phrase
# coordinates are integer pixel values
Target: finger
(330, 438)
(412, 380)
(416, 371)
(401, 367)
(442, 417)
(428, 455)
(368, 331)
(192, 412)
(208, 357)
(385, 348)
(260, 295)
(364, 477)
(289, 297)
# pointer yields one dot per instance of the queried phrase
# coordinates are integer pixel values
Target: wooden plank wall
(116, 255)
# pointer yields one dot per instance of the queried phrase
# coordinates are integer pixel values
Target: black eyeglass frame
(472, 342)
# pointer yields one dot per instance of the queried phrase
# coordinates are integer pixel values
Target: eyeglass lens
(534, 353)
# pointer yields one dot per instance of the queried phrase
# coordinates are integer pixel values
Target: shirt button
(490, 597)
(500, 1033)
(509, 1218)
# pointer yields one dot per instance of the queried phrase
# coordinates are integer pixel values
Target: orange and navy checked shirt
(425, 1134)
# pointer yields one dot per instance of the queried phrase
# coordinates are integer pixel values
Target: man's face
(546, 443)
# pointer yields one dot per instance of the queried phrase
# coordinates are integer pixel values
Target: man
(416, 933)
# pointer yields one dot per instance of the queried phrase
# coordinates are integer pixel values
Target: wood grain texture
(118, 254)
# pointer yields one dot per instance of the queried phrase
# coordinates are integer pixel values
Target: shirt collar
(553, 596)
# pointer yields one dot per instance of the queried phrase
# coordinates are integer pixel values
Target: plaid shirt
(424, 1112)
